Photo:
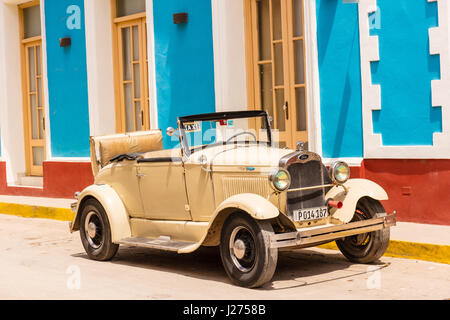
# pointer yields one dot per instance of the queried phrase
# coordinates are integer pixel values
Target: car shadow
(306, 267)
(295, 268)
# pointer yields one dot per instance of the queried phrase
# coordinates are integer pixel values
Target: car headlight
(339, 172)
(280, 179)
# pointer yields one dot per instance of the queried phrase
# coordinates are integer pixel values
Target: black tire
(258, 263)
(367, 247)
(99, 246)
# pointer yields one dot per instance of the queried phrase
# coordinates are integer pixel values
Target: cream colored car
(227, 186)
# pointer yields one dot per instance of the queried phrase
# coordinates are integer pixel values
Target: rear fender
(114, 208)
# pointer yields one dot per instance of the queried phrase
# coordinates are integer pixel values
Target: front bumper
(311, 237)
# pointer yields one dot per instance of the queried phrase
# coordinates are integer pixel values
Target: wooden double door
(275, 43)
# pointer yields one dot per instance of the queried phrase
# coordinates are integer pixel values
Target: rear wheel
(95, 232)
(366, 247)
(245, 250)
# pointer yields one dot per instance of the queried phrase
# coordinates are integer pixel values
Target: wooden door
(32, 87)
(133, 111)
(35, 123)
(276, 65)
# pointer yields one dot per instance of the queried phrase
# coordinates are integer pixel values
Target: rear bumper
(318, 235)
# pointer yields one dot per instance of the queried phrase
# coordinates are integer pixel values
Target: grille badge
(303, 157)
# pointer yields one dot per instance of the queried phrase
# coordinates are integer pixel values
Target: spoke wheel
(95, 232)
(247, 257)
(93, 228)
(366, 247)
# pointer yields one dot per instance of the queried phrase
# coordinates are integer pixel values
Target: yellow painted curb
(28, 211)
(411, 250)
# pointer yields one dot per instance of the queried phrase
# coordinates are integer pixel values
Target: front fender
(114, 208)
(256, 206)
(357, 189)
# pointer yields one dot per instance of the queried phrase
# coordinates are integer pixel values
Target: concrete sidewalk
(408, 240)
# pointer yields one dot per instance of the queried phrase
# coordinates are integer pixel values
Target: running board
(161, 243)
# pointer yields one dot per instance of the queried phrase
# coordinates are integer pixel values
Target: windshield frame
(188, 150)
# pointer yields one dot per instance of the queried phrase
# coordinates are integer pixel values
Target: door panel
(275, 33)
(163, 191)
(124, 180)
(200, 192)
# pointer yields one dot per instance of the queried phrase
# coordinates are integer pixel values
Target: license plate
(310, 214)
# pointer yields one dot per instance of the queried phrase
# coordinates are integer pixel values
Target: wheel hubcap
(239, 249)
(93, 230)
(242, 249)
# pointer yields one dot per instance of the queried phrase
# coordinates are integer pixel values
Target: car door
(163, 189)
(200, 191)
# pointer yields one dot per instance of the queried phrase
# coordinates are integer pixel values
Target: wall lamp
(179, 18)
(65, 42)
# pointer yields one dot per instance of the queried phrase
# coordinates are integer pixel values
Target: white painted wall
(11, 118)
(100, 67)
(151, 66)
(312, 78)
(48, 131)
(229, 55)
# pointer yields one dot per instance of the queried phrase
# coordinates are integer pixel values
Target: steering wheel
(241, 133)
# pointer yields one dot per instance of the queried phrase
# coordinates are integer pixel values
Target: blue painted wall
(340, 78)
(67, 81)
(405, 71)
(184, 61)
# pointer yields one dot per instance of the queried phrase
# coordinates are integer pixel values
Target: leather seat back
(104, 148)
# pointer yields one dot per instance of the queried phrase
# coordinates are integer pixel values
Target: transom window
(129, 7)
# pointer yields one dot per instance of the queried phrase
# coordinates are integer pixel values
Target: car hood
(247, 155)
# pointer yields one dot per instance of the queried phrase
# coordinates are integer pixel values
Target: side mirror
(170, 131)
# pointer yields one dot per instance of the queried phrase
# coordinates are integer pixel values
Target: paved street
(40, 259)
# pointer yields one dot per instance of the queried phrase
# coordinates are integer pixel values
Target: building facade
(365, 81)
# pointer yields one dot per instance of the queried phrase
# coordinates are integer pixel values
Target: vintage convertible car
(227, 186)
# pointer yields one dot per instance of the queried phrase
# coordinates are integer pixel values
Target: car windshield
(202, 131)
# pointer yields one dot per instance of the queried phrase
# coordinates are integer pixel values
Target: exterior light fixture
(179, 18)
(65, 42)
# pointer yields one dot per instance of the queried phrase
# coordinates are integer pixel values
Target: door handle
(142, 117)
(286, 110)
(140, 175)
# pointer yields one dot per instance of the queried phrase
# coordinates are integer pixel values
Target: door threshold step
(161, 243)
(30, 181)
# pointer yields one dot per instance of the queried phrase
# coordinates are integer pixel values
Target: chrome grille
(307, 174)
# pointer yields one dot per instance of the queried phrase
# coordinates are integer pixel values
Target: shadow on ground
(295, 268)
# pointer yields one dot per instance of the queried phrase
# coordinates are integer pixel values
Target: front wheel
(245, 250)
(366, 247)
(95, 232)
